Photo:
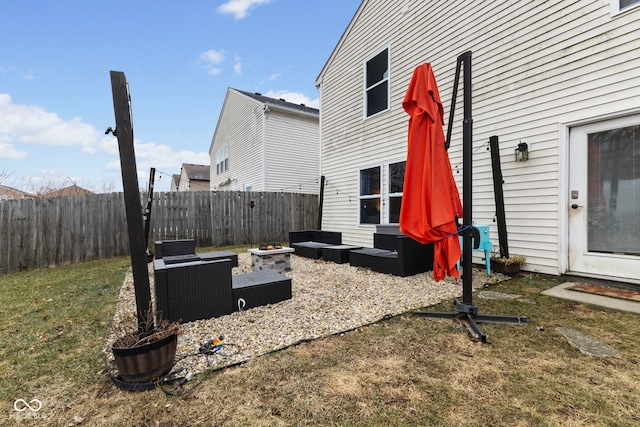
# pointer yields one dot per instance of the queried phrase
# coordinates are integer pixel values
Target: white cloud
(11, 152)
(24, 125)
(237, 68)
(162, 157)
(239, 8)
(54, 178)
(25, 74)
(33, 125)
(211, 58)
(294, 97)
(271, 78)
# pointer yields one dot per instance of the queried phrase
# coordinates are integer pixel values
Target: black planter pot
(147, 362)
(510, 269)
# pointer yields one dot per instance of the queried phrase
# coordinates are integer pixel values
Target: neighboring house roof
(280, 103)
(14, 193)
(196, 172)
(72, 190)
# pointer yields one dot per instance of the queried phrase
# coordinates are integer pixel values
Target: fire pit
(271, 256)
(270, 246)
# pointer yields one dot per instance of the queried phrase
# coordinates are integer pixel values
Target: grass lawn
(404, 371)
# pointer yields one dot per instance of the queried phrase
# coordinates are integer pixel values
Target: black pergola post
(499, 197)
(135, 227)
(320, 202)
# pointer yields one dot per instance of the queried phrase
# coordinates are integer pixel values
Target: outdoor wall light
(522, 152)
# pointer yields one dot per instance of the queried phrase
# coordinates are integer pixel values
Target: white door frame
(563, 199)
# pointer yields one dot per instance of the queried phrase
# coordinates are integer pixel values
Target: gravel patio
(328, 299)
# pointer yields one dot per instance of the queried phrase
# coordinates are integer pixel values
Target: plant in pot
(507, 265)
(147, 353)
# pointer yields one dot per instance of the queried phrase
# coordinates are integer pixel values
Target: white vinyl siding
(536, 66)
(292, 158)
(240, 128)
(269, 148)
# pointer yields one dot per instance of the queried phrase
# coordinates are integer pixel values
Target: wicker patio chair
(193, 290)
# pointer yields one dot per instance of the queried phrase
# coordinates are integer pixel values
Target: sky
(179, 58)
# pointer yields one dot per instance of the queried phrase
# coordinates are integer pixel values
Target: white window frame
(386, 79)
(385, 193)
(387, 190)
(615, 9)
(222, 160)
(370, 196)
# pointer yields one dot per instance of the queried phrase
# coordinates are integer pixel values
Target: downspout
(322, 177)
(265, 111)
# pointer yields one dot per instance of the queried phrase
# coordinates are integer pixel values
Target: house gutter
(265, 112)
(293, 111)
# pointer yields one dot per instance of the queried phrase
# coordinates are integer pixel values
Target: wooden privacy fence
(36, 233)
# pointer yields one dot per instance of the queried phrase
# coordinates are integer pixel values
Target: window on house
(613, 211)
(396, 184)
(222, 160)
(618, 6)
(370, 195)
(377, 83)
(627, 3)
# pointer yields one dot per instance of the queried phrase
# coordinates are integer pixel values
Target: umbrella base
(468, 314)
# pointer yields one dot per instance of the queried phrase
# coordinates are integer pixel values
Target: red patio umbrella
(430, 199)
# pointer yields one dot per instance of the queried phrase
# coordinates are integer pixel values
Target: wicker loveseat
(309, 243)
(394, 253)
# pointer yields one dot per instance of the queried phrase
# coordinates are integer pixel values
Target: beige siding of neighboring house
(184, 184)
(537, 66)
(271, 148)
(197, 185)
(241, 126)
(292, 157)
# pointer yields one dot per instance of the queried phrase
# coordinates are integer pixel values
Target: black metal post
(320, 202)
(147, 211)
(135, 228)
(467, 181)
(454, 97)
(499, 197)
(251, 206)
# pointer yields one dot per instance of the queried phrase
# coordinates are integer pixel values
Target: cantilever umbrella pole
(465, 310)
(467, 183)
